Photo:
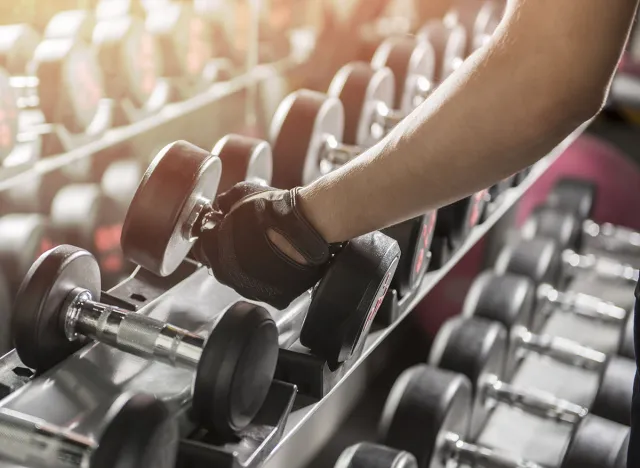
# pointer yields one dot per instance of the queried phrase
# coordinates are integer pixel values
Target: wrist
(313, 207)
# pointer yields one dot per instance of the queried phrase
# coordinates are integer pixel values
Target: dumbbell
(428, 414)
(477, 348)
(480, 18)
(510, 300)
(18, 43)
(368, 455)
(540, 259)
(127, 54)
(306, 132)
(413, 65)
(56, 309)
(135, 425)
(566, 229)
(449, 43)
(578, 196)
(5, 314)
(175, 200)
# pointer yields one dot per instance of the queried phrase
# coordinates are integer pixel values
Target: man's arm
(546, 71)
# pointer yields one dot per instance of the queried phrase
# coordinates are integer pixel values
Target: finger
(225, 201)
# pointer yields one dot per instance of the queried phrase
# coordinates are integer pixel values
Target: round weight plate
(348, 297)
(6, 343)
(410, 61)
(23, 237)
(371, 455)
(424, 406)
(157, 229)
(83, 216)
(539, 259)
(626, 345)
(236, 369)
(507, 299)
(478, 18)
(414, 237)
(129, 58)
(476, 348)
(362, 90)
(139, 433)
(71, 24)
(561, 226)
(299, 131)
(574, 195)
(449, 45)
(8, 117)
(243, 158)
(613, 399)
(18, 42)
(38, 308)
(595, 444)
(70, 83)
(183, 37)
(35, 193)
(120, 181)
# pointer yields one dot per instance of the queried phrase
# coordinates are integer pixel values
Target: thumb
(227, 200)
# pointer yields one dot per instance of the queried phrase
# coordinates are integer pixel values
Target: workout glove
(241, 255)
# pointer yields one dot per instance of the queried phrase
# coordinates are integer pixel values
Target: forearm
(506, 107)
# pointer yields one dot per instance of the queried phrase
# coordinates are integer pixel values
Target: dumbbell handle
(582, 304)
(389, 117)
(467, 454)
(33, 442)
(26, 88)
(537, 403)
(338, 153)
(610, 237)
(562, 350)
(131, 332)
(603, 267)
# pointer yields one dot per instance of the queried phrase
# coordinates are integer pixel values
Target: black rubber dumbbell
(172, 209)
(540, 259)
(577, 196)
(567, 229)
(511, 301)
(56, 309)
(134, 426)
(368, 455)
(428, 412)
(477, 348)
(306, 132)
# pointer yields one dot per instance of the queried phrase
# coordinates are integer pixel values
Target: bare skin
(547, 70)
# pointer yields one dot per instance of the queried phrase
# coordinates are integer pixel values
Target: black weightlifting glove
(242, 256)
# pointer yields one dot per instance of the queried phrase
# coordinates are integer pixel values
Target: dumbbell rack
(193, 298)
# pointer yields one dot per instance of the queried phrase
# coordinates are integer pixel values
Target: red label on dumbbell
(477, 203)
(8, 118)
(426, 236)
(46, 244)
(382, 293)
(107, 242)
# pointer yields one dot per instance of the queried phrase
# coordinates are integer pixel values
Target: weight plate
(477, 349)
(236, 369)
(449, 44)
(157, 232)
(129, 58)
(456, 220)
(425, 406)
(539, 259)
(35, 193)
(120, 181)
(626, 345)
(348, 297)
(299, 131)
(18, 42)
(8, 117)
(82, 215)
(478, 18)
(71, 24)
(70, 83)
(414, 237)
(596, 444)
(243, 158)
(574, 195)
(183, 37)
(6, 342)
(410, 61)
(36, 322)
(561, 226)
(615, 393)
(23, 237)
(362, 91)
(139, 433)
(370, 455)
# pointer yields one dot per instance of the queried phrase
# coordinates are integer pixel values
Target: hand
(264, 248)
